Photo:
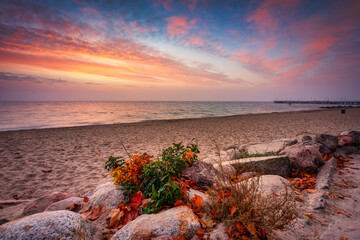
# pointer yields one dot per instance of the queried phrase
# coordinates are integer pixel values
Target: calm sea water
(30, 115)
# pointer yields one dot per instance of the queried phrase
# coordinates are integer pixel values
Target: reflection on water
(28, 115)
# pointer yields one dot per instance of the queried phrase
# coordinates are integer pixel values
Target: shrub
(158, 180)
(114, 162)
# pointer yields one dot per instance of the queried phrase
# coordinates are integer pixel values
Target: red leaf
(96, 213)
(136, 199)
(198, 202)
(86, 199)
(227, 195)
(178, 203)
(342, 212)
(232, 210)
(240, 228)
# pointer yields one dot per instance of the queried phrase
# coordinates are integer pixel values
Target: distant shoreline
(161, 120)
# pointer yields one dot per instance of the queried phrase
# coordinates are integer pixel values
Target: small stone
(41, 203)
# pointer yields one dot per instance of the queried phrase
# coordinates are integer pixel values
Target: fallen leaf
(341, 185)
(345, 195)
(240, 228)
(342, 212)
(331, 195)
(96, 213)
(340, 228)
(86, 199)
(198, 202)
(74, 207)
(343, 238)
(200, 233)
(297, 192)
(136, 199)
(232, 209)
(227, 195)
(47, 171)
(115, 216)
(309, 215)
(87, 212)
(208, 222)
(203, 225)
(228, 230)
(355, 168)
(179, 203)
(310, 190)
(299, 199)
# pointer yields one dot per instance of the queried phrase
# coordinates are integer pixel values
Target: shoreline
(167, 120)
(38, 161)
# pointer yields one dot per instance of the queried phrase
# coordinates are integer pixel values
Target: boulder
(274, 146)
(172, 222)
(321, 148)
(270, 165)
(304, 157)
(41, 203)
(346, 140)
(203, 173)
(269, 184)
(108, 194)
(48, 225)
(303, 138)
(329, 141)
(356, 135)
(234, 153)
(219, 232)
(63, 204)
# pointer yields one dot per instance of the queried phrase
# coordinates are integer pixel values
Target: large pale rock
(270, 165)
(269, 184)
(219, 232)
(63, 204)
(108, 194)
(203, 173)
(304, 157)
(274, 146)
(48, 225)
(346, 140)
(172, 222)
(329, 141)
(41, 203)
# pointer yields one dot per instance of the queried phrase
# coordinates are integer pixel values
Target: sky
(189, 50)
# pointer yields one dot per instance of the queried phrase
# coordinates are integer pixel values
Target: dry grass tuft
(246, 212)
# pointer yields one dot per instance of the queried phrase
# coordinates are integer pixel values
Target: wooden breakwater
(351, 103)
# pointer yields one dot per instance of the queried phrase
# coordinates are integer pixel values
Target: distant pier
(352, 103)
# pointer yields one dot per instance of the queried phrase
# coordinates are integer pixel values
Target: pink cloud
(179, 26)
(263, 17)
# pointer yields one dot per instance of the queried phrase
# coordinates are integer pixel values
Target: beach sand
(35, 162)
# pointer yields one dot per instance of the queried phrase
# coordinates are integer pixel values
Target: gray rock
(219, 232)
(41, 203)
(234, 153)
(267, 147)
(63, 204)
(326, 174)
(329, 141)
(346, 140)
(318, 201)
(204, 174)
(304, 157)
(270, 165)
(303, 138)
(108, 194)
(349, 150)
(3, 220)
(234, 146)
(356, 135)
(269, 184)
(172, 222)
(48, 225)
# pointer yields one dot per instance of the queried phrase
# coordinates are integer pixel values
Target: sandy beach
(35, 162)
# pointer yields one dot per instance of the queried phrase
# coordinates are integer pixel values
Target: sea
(36, 115)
